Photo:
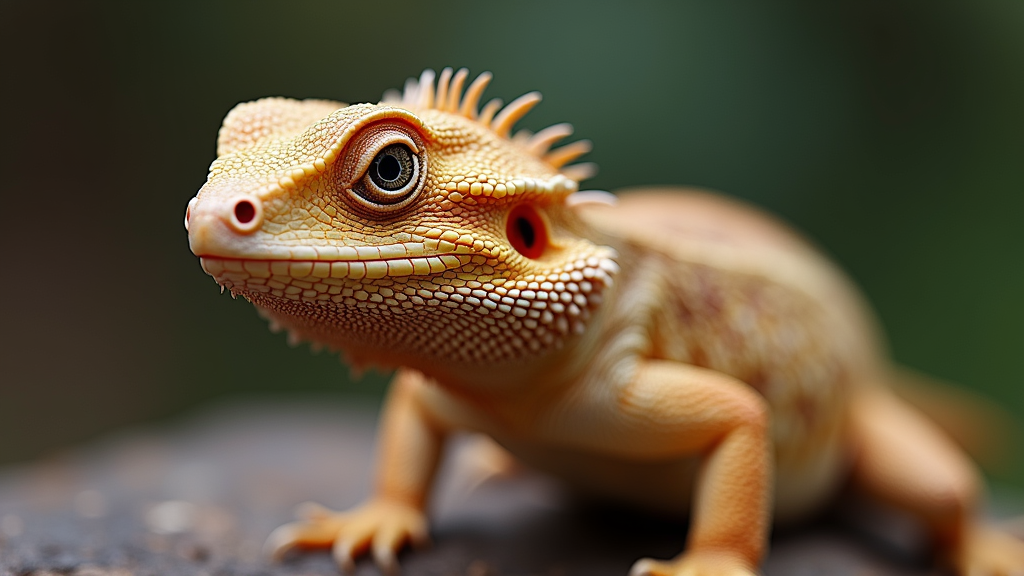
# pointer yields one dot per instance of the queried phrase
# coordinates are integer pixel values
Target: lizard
(674, 350)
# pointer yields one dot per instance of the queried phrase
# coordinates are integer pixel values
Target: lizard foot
(694, 564)
(379, 526)
(990, 552)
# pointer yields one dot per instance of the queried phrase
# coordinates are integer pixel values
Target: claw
(278, 543)
(385, 559)
(343, 555)
(647, 567)
(693, 564)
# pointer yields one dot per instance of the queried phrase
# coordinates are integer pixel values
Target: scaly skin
(678, 351)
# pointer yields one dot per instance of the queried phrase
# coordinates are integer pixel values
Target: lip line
(400, 251)
(244, 259)
(220, 267)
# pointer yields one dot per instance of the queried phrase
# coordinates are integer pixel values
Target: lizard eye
(384, 169)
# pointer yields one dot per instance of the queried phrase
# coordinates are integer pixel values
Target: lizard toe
(297, 535)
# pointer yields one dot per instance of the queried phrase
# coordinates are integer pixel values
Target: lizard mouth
(319, 280)
(243, 271)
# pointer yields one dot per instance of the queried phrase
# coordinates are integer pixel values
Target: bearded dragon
(674, 350)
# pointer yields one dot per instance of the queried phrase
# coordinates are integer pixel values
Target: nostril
(245, 211)
(246, 215)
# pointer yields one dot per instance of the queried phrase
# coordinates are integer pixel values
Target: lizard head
(415, 231)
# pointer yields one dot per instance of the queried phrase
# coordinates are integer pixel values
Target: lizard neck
(620, 327)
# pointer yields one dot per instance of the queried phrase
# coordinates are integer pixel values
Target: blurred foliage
(891, 131)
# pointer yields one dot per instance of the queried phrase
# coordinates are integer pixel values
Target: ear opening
(526, 231)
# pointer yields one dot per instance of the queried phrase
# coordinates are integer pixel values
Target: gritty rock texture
(201, 496)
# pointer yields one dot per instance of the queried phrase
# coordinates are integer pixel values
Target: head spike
(592, 197)
(410, 93)
(561, 156)
(580, 172)
(521, 136)
(426, 94)
(542, 141)
(455, 90)
(515, 110)
(473, 93)
(488, 111)
(448, 96)
(391, 96)
(441, 98)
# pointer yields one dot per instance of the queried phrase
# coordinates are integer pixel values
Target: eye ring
(392, 173)
(383, 169)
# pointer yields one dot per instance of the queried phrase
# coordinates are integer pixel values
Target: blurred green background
(892, 132)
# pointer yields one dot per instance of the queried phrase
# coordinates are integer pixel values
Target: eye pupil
(526, 232)
(389, 168)
(393, 168)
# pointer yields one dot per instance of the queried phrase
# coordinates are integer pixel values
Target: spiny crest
(449, 97)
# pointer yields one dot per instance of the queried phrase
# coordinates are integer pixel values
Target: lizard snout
(218, 226)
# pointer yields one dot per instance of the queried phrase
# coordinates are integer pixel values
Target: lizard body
(678, 351)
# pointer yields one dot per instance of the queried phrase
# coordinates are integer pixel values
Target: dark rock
(201, 497)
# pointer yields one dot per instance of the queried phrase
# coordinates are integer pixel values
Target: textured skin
(678, 351)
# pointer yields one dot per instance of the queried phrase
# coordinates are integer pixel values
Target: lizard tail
(984, 429)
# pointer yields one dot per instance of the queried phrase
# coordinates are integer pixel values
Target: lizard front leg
(672, 409)
(410, 448)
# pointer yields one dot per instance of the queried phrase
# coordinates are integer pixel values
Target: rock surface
(200, 497)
